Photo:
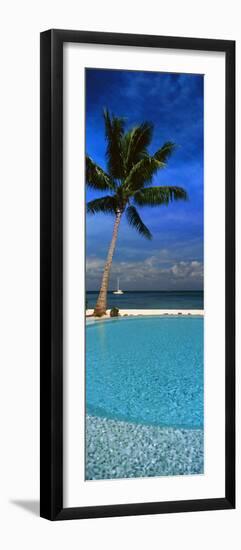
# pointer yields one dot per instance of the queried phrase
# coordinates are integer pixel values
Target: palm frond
(114, 131)
(142, 173)
(106, 205)
(136, 142)
(155, 196)
(165, 152)
(135, 221)
(96, 178)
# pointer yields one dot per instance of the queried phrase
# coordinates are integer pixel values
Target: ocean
(156, 299)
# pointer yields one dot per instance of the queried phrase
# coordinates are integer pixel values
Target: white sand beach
(139, 312)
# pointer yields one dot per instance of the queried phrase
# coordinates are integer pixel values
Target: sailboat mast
(118, 291)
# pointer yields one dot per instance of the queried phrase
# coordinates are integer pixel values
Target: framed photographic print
(137, 274)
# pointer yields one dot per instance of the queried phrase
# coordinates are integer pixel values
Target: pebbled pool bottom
(117, 449)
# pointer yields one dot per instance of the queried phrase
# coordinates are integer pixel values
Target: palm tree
(130, 170)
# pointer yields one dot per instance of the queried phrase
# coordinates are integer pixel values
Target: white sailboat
(118, 291)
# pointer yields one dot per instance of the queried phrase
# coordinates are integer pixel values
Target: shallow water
(146, 370)
(117, 449)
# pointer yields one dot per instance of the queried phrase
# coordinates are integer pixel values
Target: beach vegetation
(114, 312)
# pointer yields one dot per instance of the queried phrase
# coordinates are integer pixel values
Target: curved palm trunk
(101, 304)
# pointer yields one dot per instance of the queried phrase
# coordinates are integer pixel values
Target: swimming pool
(146, 370)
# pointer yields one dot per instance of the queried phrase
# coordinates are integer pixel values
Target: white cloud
(192, 269)
(155, 272)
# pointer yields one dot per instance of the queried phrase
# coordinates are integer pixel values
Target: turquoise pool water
(146, 370)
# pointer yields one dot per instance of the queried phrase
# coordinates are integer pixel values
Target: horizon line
(155, 290)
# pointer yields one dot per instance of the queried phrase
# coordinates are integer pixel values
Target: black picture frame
(51, 325)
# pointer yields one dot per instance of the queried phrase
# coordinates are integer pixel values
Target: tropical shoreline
(141, 312)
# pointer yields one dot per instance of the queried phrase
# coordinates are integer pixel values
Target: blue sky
(173, 260)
